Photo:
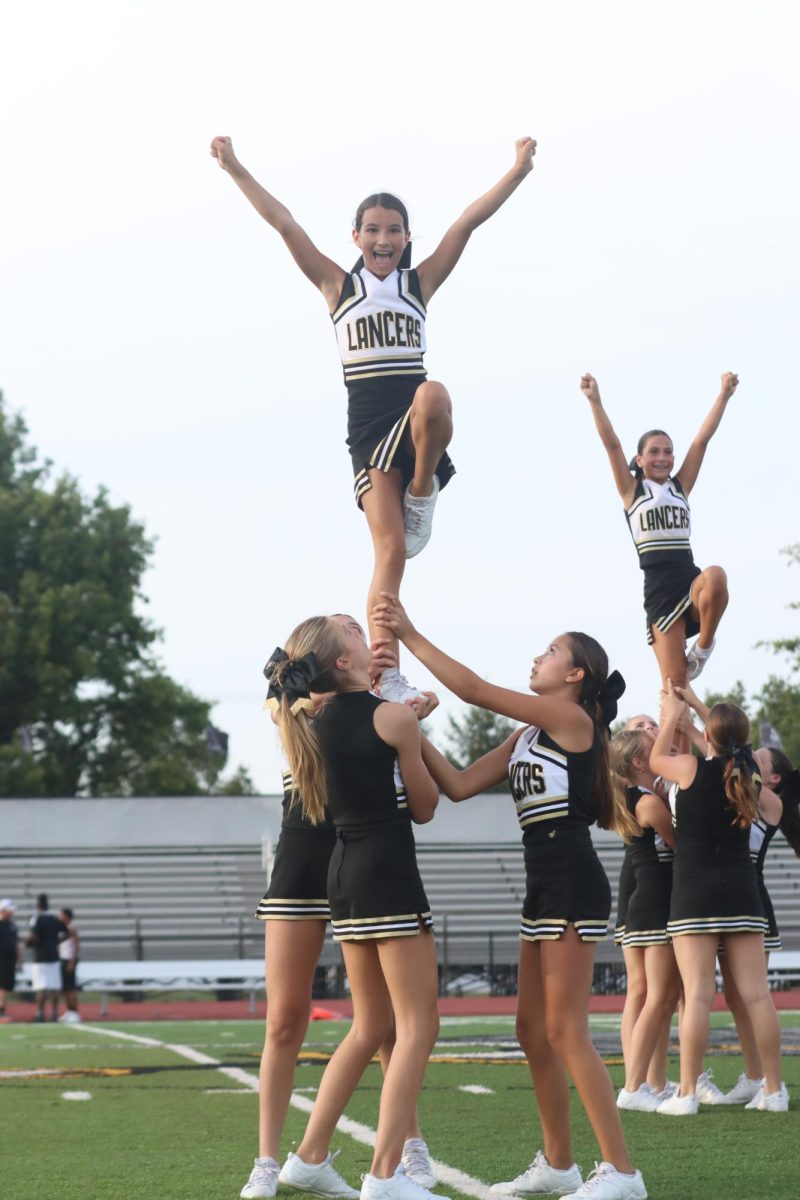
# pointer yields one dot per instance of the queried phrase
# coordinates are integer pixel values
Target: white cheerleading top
(380, 326)
(548, 782)
(659, 521)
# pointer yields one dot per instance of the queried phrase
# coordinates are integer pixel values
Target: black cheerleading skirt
(714, 894)
(298, 886)
(648, 908)
(565, 885)
(627, 882)
(378, 435)
(668, 596)
(772, 938)
(374, 885)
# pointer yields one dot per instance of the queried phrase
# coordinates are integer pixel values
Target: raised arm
(625, 482)
(678, 768)
(325, 274)
(690, 468)
(566, 722)
(482, 775)
(397, 725)
(434, 270)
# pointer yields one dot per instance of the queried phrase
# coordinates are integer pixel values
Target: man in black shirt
(9, 952)
(46, 931)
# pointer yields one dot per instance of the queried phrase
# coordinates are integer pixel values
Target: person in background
(46, 931)
(68, 951)
(10, 953)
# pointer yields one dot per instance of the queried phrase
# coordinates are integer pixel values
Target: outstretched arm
(691, 465)
(566, 722)
(434, 270)
(678, 768)
(321, 270)
(626, 484)
(485, 773)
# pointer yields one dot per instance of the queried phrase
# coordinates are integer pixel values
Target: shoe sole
(312, 1191)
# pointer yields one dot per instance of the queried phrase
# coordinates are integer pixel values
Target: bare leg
(291, 953)
(409, 968)
(635, 994)
(662, 996)
(709, 601)
(696, 955)
(431, 427)
(657, 1071)
(670, 650)
(383, 508)
(547, 1071)
(745, 954)
(385, 1053)
(567, 966)
(753, 1067)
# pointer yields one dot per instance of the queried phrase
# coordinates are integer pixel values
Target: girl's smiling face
(657, 458)
(381, 238)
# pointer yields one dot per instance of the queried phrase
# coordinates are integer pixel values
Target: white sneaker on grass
(322, 1179)
(679, 1106)
(263, 1181)
(540, 1179)
(696, 659)
(417, 1163)
(398, 1187)
(744, 1090)
(644, 1099)
(670, 1089)
(418, 518)
(771, 1101)
(605, 1182)
(396, 688)
(707, 1091)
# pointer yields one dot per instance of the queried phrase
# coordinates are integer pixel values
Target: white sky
(159, 340)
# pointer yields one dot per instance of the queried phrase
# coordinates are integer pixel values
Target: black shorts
(772, 938)
(566, 885)
(68, 973)
(648, 907)
(8, 972)
(668, 597)
(627, 882)
(378, 434)
(374, 885)
(714, 895)
(299, 881)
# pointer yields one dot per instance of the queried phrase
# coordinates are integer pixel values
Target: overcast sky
(159, 340)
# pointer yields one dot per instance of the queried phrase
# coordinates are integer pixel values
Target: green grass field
(163, 1123)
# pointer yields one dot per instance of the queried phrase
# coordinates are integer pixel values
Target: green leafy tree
(475, 734)
(84, 707)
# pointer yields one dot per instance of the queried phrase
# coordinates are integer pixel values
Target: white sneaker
(679, 1106)
(707, 1091)
(398, 1187)
(669, 1089)
(644, 1099)
(607, 1183)
(418, 518)
(540, 1179)
(754, 1103)
(319, 1178)
(696, 658)
(395, 687)
(417, 1163)
(263, 1181)
(772, 1101)
(744, 1090)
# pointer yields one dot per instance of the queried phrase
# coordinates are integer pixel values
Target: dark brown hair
(643, 440)
(728, 731)
(788, 788)
(590, 656)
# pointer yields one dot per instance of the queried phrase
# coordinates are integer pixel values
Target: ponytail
(623, 748)
(598, 697)
(727, 729)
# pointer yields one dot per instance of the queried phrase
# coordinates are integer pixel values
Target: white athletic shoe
(771, 1101)
(679, 1106)
(605, 1182)
(417, 1163)
(418, 518)
(707, 1091)
(70, 1017)
(398, 1187)
(263, 1181)
(696, 659)
(669, 1089)
(319, 1178)
(644, 1099)
(395, 687)
(540, 1179)
(744, 1090)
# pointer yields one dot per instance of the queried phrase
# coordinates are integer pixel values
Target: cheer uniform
(648, 907)
(380, 332)
(374, 885)
(660, 525)
(761, 834)
(627, 882)
(298, 883)
(565, 881)
(714, 887)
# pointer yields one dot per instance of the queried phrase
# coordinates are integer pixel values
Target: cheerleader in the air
(399, 422)
(680, 599)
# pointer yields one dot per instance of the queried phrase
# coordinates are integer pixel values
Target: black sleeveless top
(363, 783)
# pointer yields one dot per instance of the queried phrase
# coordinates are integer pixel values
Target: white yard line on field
(446, 1175)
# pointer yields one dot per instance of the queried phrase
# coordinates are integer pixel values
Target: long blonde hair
(323, 637)
(626, 745)
(728, 731)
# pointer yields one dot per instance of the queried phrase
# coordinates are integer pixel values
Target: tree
(84, 707)
(475, 734)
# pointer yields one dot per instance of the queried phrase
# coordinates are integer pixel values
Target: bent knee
(431, 401)
(716, 579)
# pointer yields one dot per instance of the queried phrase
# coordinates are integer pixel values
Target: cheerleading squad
(359, 773)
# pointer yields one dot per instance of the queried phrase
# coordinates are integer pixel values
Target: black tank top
(363, 783)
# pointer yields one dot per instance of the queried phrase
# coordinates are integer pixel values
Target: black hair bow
(743, 757)
(609, 694)
(290, 679)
